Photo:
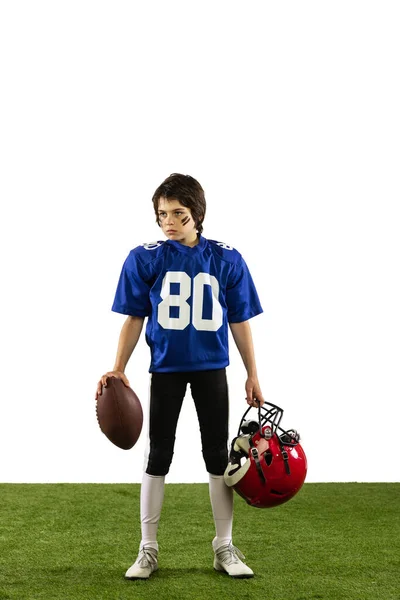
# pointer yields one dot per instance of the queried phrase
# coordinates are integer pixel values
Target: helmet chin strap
(285, 455)
(256, 457)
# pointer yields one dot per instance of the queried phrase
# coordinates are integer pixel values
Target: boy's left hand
(253, 392)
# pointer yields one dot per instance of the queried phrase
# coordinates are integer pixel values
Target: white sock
(151, 500)
(221, 497)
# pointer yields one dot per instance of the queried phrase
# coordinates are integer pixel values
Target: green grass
(75, 541)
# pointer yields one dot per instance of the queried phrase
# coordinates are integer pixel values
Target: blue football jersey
(189, 296)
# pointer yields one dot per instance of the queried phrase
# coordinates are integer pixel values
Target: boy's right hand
(103, 380)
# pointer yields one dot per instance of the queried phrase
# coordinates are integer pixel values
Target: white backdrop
(287, 114)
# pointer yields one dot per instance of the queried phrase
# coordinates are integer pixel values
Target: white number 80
(180, 300)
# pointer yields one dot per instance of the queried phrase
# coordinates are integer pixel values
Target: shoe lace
(147, 557)
(229, 554)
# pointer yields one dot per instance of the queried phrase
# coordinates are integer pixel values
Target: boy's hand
(103, 380)
(253, 392)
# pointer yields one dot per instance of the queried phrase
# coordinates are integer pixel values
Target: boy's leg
(210, 394)
(221, 498)
(166, 396)
(167, 392)
(151, 500)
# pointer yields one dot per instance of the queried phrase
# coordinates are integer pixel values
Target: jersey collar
(187, 249)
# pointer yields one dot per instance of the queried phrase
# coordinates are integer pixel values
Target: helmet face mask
(267, 465)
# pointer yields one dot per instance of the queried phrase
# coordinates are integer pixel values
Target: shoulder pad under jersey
(228, 253)
(148, 251)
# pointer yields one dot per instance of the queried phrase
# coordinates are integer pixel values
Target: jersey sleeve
(241, 294)
(133, 291)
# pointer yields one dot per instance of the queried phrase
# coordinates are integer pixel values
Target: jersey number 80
(180, 300)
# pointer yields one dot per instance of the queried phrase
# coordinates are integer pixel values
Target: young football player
(189, 288)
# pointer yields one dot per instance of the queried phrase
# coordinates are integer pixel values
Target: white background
(288, 115)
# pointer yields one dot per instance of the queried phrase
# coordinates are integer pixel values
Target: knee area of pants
(156, 471)
(159, 463)
(216, 461)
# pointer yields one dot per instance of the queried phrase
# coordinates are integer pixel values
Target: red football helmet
(267, 465)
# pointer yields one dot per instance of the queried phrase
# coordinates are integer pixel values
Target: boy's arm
(242, 335)
(128, 339)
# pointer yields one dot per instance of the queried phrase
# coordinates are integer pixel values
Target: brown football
(119, 413)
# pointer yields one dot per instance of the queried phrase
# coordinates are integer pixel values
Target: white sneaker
(227, 558)
(144, 565)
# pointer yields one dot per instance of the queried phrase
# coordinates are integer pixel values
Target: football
(119, 413)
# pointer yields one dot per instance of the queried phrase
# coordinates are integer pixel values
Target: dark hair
(187, 191)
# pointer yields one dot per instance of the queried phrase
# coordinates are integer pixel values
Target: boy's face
(176, 220)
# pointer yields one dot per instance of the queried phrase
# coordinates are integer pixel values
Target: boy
(190, 288)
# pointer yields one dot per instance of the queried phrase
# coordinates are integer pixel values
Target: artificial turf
(334, 541)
